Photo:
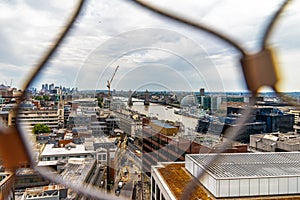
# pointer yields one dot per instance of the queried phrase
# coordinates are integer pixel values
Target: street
(132, 165)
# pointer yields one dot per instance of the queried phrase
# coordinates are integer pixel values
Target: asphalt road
(133, 164)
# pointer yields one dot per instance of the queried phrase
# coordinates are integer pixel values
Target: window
(153, 186)
(157, 193)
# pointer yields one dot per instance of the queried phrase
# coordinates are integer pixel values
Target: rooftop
(45, 192)
(177, 179)
(162, 124)
(77, 169)
(25, 171)
(289, 138)
(102, 139)
(85, 100)
(51, 150)
(250, 164)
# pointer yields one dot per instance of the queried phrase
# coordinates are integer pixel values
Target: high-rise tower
(60, 108)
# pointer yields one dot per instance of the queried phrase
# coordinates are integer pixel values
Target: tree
(100, 102)
(41, 128)
(46, 98)
(38, 98)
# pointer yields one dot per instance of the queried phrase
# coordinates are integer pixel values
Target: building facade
(29, 118)
(275, 142)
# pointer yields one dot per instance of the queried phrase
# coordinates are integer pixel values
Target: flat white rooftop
(47, 163)
(250, 164)
(247, 174)
(50, 150)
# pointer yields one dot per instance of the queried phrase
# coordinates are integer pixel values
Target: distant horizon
(155, 90)
(207, 92)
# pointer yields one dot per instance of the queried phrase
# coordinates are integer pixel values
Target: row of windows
(30, 180)
(102, 157)
(65, 157)
(38, 118)
(171, 152)
(156, 194)
(39, 113)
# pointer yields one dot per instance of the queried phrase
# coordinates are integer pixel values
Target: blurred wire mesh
(231, 134)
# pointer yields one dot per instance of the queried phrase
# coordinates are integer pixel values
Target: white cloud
(109, 33)
(28, 32)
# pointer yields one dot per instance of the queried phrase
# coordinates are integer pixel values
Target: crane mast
(112, 78)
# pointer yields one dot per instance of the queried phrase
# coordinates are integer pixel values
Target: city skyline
(153, 53)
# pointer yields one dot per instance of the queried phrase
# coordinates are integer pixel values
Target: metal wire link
(259, 70)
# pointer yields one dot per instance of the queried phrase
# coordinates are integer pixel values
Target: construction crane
(112, 78)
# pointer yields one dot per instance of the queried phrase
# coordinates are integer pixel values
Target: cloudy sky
(152, 52)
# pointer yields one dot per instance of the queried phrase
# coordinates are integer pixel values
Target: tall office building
(202, 92)
(51, 86)
(60, 108)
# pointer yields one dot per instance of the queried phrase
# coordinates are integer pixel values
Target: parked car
(120, 184)
(117, 192)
